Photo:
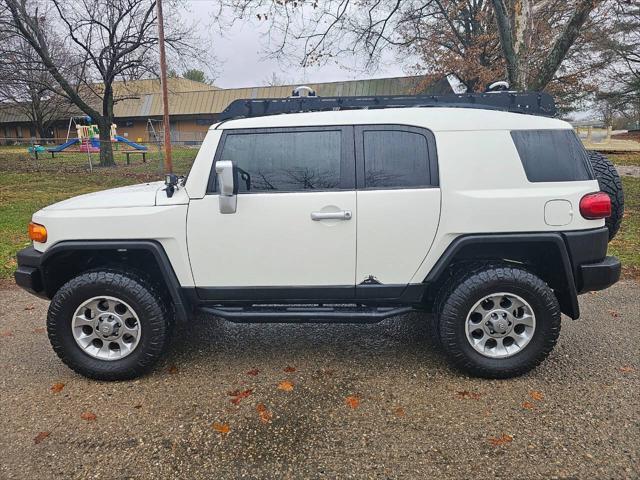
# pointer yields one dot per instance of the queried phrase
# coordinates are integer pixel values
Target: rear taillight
(595, 205)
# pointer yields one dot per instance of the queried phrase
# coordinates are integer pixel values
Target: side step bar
(310, 314)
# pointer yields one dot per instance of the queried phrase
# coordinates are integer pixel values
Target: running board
(311, 314)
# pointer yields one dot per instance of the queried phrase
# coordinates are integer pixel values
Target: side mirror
(171, 182)
(227, 173)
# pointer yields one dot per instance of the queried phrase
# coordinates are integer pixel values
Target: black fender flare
(465, 246)
(151, 246)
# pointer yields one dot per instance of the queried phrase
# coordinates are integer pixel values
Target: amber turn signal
(37, 232)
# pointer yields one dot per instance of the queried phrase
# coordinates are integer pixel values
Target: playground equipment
(34, 149)
(88, 136)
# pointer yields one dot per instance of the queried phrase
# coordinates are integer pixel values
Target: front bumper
(28, 275)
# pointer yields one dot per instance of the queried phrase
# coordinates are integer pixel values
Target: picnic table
(132, 152)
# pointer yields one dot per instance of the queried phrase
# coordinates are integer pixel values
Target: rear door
(398, 205)
(293, 234)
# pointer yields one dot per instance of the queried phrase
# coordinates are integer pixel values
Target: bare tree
(619, 90)
(28, 88)
(535, 41)
(515, 20)
(106, 41)
(275, 80)
(453, 37)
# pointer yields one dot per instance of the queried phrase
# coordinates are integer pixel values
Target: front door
(293, 234)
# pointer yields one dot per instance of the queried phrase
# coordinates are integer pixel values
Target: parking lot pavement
(325, 401)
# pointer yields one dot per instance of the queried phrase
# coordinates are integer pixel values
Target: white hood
(142, 195)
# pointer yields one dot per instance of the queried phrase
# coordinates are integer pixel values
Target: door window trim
(347, 157)
(434, 179)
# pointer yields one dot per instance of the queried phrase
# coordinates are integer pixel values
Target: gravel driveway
(325, 401)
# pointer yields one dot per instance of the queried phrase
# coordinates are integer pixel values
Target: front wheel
(499, 322)
(108, 325)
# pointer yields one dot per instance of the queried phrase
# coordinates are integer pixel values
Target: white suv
(492, 221)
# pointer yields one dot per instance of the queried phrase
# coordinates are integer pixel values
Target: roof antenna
(303, 88)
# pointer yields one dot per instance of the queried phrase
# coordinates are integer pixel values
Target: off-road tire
(610, 183)
(472, 287)
(455, 274)
(139, 294)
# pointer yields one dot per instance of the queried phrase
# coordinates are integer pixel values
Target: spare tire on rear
(609, 182)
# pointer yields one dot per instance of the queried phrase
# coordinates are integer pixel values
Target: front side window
(286, 161)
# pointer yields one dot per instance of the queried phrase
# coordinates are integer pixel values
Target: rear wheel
(499, 322)
(108, 325)
(610, 183)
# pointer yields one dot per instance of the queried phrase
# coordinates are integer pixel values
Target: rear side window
(286, 161)
(552, 155)
(395, 157)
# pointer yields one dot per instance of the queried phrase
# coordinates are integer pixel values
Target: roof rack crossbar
(535, 103)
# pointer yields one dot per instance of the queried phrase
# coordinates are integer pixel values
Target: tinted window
(552, 155)
(395, 158)
(286, 161)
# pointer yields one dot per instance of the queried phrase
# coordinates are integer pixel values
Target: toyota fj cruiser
(481, 210)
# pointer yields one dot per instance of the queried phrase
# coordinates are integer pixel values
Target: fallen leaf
(222, 428)
(138, 406)
(39, 330)
(88, 416)
(40, 437)
(290, 369)
(285, 385)
(536, 395)
(253, 372)
(6, 333)
(528, 405)
(265, 415)
(238, 395)
(399, 412)
(172, 370)
(29, 307)
(57, 387)
(614, 314)
(626, 369)
(467, 394)
(501, 440)
(352, 401)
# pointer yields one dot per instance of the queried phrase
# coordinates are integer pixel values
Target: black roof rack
(535, 103)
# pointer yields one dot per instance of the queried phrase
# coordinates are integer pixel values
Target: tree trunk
(104, 125)
(522, 23)
(42, 132)
(562, 45)
(503, 19)
(106, 150)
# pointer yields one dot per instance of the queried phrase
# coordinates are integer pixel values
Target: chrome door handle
(340, 215)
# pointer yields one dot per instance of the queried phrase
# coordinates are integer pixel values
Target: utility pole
(168, 163)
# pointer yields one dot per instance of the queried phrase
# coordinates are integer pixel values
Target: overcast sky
(243, 63)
